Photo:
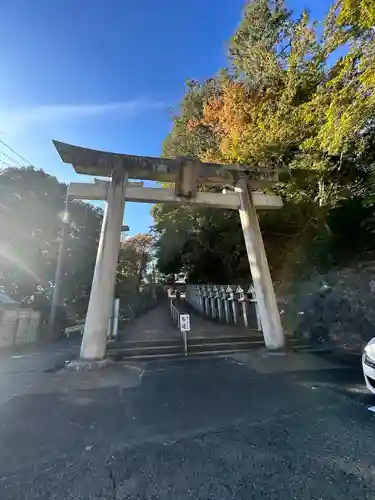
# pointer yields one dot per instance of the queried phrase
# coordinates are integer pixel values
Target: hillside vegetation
(298, 95)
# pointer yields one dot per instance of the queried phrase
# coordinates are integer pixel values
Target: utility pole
(59, 267)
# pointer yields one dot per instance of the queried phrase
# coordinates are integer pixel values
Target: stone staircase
(197, 347)
(155, 335)
(146, 349)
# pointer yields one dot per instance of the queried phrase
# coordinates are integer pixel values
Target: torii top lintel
(101, 163)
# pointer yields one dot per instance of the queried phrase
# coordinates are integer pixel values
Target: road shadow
(182, 429)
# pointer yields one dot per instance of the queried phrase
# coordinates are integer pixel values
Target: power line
(5, 163)
(16, 162)
(15, 152)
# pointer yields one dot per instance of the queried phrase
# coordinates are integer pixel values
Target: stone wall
(18, 326)
(335, 309)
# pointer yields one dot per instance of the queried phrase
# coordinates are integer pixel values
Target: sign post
(116, 312)
(185, 327)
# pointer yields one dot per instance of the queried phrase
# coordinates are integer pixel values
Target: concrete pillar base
(87, 365)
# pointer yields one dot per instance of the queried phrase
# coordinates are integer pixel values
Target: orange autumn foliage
(250, 125)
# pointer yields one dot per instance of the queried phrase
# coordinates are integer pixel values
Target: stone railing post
(211, 298)
(206, 300)
(200, 299)
(215, 308)
(234, 305)
(227, 304)
(243, 300)
(219, 299)
(190, 295)
(203, 305)
(189, 292)
(238, 294)
(197, 300)
(253, 299)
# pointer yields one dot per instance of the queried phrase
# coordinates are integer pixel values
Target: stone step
(126, 344)
(145, 356)
(224, 346)
(176, 342)
(197, 346)
(256, 339)
(309, 348)
(140, 351)
(154, 349)
(229, 338)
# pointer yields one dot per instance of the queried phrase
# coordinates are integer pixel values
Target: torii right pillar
(263, 286)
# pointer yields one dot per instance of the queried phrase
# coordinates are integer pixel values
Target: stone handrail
(229, 304)
(139, 303)
(175, 314)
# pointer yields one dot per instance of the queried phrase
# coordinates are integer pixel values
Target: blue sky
(105, 74)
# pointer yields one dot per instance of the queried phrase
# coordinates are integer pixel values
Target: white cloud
(22, 118)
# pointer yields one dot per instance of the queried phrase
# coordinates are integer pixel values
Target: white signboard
(185, 322)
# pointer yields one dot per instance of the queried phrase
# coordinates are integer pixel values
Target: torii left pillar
(103, 285)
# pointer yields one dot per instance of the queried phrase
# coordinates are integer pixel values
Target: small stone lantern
(233, 300)
(219, 300)
(225, 295)
(206, 300)
(200, 298)
(252, 298)
(243, 300)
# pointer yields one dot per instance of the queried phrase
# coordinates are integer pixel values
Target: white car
(368, 365)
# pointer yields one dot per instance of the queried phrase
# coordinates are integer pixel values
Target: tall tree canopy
(295, 99)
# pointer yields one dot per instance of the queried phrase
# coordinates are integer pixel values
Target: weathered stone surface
(94, 162)
(337, 309)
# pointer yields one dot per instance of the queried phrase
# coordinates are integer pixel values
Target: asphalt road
(188, 429)
(28, 365)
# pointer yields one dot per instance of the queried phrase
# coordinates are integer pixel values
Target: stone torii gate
(186, 175)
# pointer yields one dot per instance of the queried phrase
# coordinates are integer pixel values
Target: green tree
(31, 211)
(260, 46)
(293, 100)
